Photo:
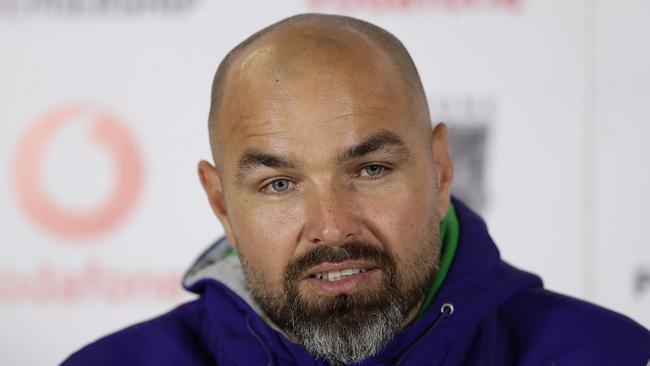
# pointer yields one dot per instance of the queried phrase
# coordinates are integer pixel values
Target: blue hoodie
(485, 313)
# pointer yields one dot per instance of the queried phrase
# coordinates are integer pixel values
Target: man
(343, 244)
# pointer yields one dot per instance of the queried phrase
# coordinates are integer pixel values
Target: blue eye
(280, 185)
(373, 170)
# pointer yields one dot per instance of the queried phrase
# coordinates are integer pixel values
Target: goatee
(346, 329)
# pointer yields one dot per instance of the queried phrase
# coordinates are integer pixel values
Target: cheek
(267, 234)
(402, 218)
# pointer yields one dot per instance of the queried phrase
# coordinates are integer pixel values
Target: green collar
(449, 233)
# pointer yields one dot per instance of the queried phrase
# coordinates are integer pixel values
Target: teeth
(337, 275)
(334, 275)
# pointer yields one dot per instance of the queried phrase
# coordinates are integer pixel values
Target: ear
(444, 167)
(214, 190)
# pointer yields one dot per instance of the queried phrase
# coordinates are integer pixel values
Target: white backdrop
(103, 108)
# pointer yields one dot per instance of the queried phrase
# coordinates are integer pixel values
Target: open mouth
(338, 275)
(343, 278)
(337, 271)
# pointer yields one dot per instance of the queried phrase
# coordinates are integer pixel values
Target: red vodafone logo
(107, 132)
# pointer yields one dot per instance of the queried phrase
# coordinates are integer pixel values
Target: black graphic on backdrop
(469, 119)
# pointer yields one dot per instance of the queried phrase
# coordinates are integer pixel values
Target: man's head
(328, 180)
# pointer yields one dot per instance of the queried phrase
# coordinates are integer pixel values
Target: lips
(336, 271)
(336, 279)
(338, 275)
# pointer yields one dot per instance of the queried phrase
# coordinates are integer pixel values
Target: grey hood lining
(220, 264)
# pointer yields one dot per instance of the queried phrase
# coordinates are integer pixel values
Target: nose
(331, 217)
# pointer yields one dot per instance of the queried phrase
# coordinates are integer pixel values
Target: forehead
(301, 89)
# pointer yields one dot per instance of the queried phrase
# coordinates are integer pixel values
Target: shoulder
(169, 339)
(555, 327)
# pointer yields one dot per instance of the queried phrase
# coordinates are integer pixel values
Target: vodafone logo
(106, 132)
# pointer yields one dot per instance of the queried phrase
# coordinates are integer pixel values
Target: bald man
(342, 242)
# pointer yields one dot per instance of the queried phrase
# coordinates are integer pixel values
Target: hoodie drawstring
(272, 358)
(445, 310)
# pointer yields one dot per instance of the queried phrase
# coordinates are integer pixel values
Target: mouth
(339, 279)
(337, 271)
(338, 275)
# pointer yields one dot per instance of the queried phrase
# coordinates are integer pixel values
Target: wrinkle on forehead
(295, 131)
(244, 112)
(342, 116)
(263, 134)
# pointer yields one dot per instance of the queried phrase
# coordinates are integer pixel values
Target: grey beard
(346, 329)
(350, 344)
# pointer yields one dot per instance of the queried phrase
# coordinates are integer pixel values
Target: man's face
(328, 188)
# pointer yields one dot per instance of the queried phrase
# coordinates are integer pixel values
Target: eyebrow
(384, 141)
(253, 159)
